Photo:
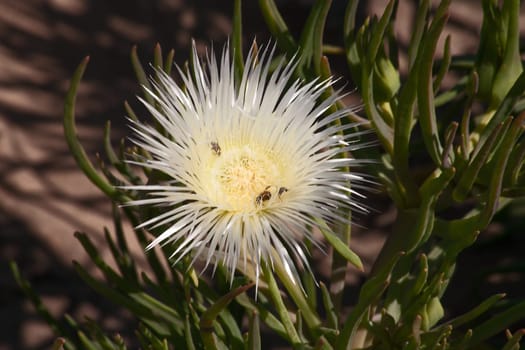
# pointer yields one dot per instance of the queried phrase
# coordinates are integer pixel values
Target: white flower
(253, 164)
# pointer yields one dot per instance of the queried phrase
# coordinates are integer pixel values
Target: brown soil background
(44, 198)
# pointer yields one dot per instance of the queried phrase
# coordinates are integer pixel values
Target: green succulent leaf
(341, 247)
(73, 143)
(209, 316)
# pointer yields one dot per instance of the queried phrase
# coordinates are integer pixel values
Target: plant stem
(275, 295)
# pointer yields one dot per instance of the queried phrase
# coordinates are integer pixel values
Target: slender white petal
(252, 163)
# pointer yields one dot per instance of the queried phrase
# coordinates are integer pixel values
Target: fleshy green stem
(275, 295)
(298, 297)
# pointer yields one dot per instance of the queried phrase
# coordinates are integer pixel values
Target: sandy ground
(44, 198)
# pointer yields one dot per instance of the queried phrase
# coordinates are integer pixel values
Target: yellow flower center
(244, 178)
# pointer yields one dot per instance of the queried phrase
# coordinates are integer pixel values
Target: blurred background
(44, 198)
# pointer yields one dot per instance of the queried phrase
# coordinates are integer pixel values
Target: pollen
(241, 174)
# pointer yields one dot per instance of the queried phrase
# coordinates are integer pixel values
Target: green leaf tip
(209, 315)
(339, 245)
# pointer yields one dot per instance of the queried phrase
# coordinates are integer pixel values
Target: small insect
(281, 191)
(263, 196)
(215, 148)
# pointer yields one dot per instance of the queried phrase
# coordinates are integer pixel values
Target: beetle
(281, 191)
(263, 196)
(216, 148)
